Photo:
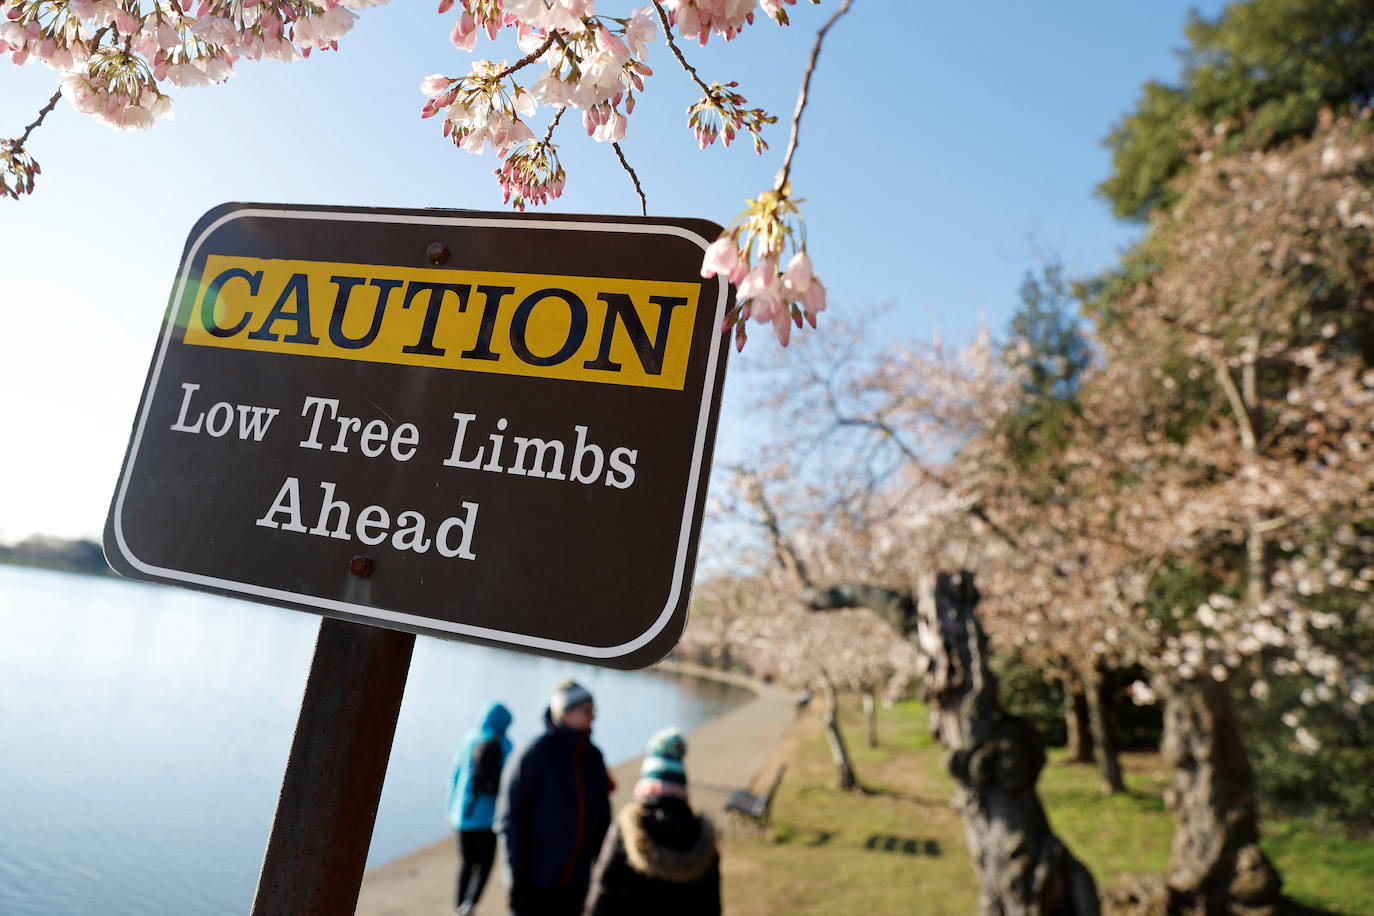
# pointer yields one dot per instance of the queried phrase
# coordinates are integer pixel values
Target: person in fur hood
(659, 857)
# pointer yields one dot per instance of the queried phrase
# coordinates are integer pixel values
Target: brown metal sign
(484, 426)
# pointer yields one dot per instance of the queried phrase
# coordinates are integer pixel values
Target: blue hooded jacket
(469, 809)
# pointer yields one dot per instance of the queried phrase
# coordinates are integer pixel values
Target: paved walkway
(722, 755)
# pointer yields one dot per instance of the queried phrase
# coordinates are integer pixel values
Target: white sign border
(695, 480)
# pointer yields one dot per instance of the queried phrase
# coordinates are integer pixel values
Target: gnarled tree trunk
(1080, 739)
(839, 754)
(995, 759)
(1104, 746)
(1216, 866)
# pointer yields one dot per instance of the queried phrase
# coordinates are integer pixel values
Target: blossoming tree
(1207, 514)
(994, 758)
(120, 61)
(1233, 414)
(894, 504)
(770, 630)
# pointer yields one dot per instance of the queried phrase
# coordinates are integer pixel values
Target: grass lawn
(899, 847)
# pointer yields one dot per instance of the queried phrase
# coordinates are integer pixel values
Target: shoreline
(729, 752)
(692, 669)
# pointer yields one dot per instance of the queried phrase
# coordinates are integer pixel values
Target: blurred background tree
(1264, 70)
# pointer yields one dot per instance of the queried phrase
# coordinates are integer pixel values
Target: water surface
(144, 731)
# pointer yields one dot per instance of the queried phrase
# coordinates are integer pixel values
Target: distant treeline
(83, 556)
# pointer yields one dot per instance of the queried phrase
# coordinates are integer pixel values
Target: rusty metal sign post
(489, 427)
(323, 824)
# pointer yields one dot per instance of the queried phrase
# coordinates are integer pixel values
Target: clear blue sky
(938, 152)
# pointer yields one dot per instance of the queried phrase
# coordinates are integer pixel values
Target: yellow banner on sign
(619, 332)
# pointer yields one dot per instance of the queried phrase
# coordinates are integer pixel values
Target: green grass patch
(898, 847)
(1322, 868)
(885, 850)
(1114, 835)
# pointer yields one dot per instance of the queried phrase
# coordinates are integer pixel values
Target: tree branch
(898, 609)
(643, 204)
(919, 466)
(17, 144)
(530, 57)
(801, 98)
(782, 547)
(1272, 524)
(677, 52)
(557, 116)
(1228, 385)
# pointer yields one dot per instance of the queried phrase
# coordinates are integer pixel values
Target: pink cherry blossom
(796, 280)
(813, 301)
(722, 257)
(613, 46)
(762, 281)
(800, 285)
(464, 34)
(435, 84)
(612, 129)
(640, 31)
(118, 57)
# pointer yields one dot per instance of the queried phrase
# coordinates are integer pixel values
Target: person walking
(472, 803)
(555, 810)
(659, 857)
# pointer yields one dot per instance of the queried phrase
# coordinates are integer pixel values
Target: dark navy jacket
(554, 814)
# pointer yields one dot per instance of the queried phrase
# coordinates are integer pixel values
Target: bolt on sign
(483, 426)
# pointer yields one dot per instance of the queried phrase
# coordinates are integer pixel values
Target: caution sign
(484, 426)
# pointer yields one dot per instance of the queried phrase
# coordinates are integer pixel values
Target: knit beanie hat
(662, 772)
(566, 696)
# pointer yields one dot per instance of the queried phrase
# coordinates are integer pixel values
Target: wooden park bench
(748, 807)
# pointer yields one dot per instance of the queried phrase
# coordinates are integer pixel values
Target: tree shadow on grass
(907, 846)
(802, 837)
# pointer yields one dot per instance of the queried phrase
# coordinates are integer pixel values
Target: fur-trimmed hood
(646, 855)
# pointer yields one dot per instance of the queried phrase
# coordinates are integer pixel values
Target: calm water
(144, 732)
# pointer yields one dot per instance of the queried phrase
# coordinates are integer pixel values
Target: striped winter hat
(566, 696)
(662, 772)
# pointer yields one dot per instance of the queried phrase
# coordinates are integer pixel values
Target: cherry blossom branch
(643, 203)
(1183, 325)
(801, 98)
(917, 464)
(721, 111)
(18, 168)
(677, 52)
(1251, 304)
(557, 116)
(976, 510)
(528, 58)
(532, 173)
(18, 144)
(766, 291)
